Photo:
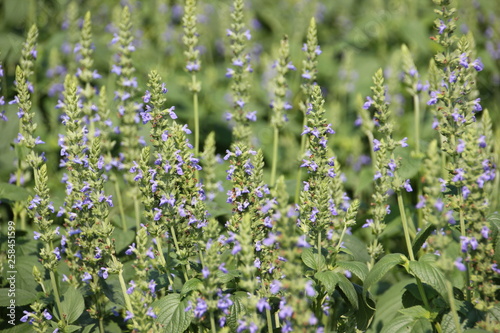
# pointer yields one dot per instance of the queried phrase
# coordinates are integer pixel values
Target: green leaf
(328, 279)
(237, 309)
(411, 164)
(381, 268)
(19, 328)
(88, 328)
(348, 289)
(22, 297)
(422, 236)
(357, 268)
(313, 259)
(416, 312)
(431, 275)
(190, 285)
(9, 192)
(72, 305)
(406, 324)
(356, 247)
(366, 309)
(494, 313)
(476, 330)
(172, 314)
(494, 220)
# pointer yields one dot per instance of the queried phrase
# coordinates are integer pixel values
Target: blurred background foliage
(356, 37)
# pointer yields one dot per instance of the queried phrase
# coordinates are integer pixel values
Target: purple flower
(368, 223)
(252, 116)
(478, 65)
(229, 72)
(205, 272)
(46, 314)
(439, 205)
(150, 253)
(459, 175)
(465, 192)
(441, 27)
(275, 287)
(186, 129)
(263, 304)
(132, 284)
(460, 146)
(201, 308)
(421, 202)
(193, 66)
(158, 214)
(152, 286)
(151, 312)
(482, 141)
(476, 106)
(57, 252)
(403, 142)
(368, 103)
(310, 291)
(485, 232)
(407, 186)
(463, 61)
(104, 273)
(376, 145)
(224, 303)
(434, 98)
(131, 249)
(459, 264)
(26, 317)
(129, 315)
(86, 277)
(306, 75)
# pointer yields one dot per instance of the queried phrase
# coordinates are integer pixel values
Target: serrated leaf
(313, 259)
(431, 275)
(366, 309)
(405, 324)
(416, 312)
(422, 236)
(357, 268)
(88, 328)
(72, 304)
(348, 289)
(236, 310)
(190, 285)
(172, 314)
(328, 279)
(381, 268)
(357, 248)
(12, 192)
(494, 312)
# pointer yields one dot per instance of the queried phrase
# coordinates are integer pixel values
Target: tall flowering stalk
(86, 75)
(25, 141)
(190, 40)
(309, 73)
(172, 196)
(238, 73)
(128, 110)
(463, 143)
(279, 104)
(386, 177)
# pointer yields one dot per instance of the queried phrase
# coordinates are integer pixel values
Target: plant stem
(176, 244)
(453, 307)
(212, 322)
(467, 267)
(275, 156)
(137, 209)
(124, 291)
(269, 321)
(164, 261)
(55, 289)
(196, 123)
(120, 205)
(416, 106)
(408, 245)
(302, 150)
